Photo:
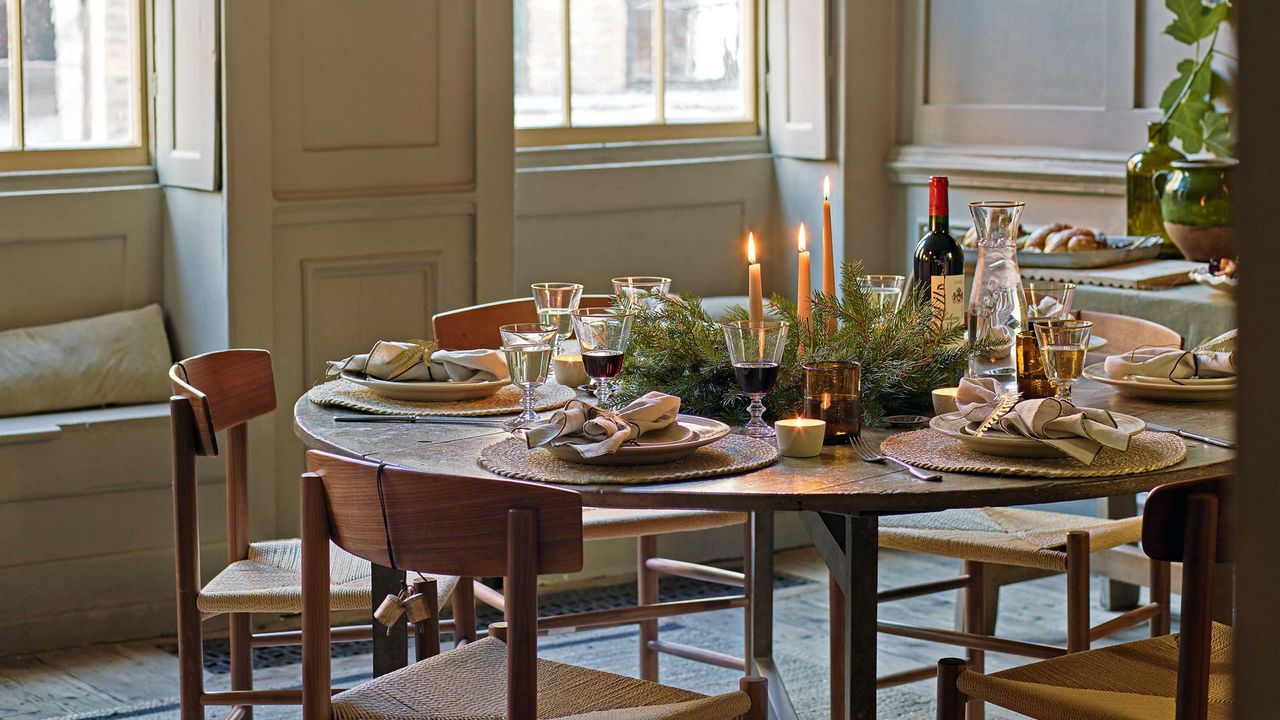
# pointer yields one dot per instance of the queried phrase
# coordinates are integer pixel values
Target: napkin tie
(1079, 432)
(419, 360)
(593, 432)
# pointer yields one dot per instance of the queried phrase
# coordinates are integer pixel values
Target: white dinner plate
(1096, 342)
(427, 391)
(998, 442)
(1148, 390)
(679, 440)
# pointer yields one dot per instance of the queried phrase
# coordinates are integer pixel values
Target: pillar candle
(828, 252)
(755, 297)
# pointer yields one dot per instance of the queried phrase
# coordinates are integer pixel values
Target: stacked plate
(676, 441)
(1155, 388)
(998, 442)
(427, 391)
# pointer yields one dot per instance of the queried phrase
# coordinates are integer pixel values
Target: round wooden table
(839, 498)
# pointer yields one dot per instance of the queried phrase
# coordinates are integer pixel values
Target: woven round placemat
(730, 456)
(344, 393)
(932, 450)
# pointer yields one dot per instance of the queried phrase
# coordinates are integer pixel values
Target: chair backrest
(1187, 522)
(225, 389)
(475, 327)
(434, 523)
(1124, 333)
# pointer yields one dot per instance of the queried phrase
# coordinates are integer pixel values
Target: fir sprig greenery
(677, 348)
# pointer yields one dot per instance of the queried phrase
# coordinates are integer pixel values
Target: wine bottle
(939, 262)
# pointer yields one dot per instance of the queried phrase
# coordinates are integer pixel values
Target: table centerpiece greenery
(677, 348)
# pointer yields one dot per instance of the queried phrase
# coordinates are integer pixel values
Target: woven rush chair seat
(470, 682)
(609, 523)
(1133, 681)
(270, 581)
(1008, 536)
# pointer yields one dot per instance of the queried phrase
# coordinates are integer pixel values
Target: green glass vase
(1143, 205)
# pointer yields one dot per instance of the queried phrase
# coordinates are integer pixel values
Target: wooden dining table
(840, 500)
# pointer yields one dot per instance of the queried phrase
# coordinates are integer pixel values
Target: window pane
(539, 44)
(612, 62)
(79, 72)
(706, 79)
(6, 128)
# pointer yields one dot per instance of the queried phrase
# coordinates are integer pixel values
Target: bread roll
(1085, 241)
(1036, 239)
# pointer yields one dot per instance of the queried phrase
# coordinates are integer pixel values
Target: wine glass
(603, 336)
(554, 301)
(528, 349)
(755, 348)
(1063, 344)
(1048, 300)
(885, 290)
(646, 291)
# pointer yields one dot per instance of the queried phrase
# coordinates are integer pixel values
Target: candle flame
(826, 188)
(751, 248)
(803, 246)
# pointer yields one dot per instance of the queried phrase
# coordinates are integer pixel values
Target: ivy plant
(1188, 99)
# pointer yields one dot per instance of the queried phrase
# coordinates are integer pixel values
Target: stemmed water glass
(1048, 300)
(755, 349)
(1063, 344)
(885, 290)
(636, 291)
(603, 336)
(555, 301)
(528, 349)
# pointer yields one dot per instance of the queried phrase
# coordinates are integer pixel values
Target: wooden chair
(1183, 677)
(1124, 333)
(223, 391)
(476, 327)
(473, 327)
(418, 521)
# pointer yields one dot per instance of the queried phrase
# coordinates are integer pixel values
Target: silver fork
(863, 448)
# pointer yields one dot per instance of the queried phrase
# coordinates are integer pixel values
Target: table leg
(390, 649)
(1119, 596)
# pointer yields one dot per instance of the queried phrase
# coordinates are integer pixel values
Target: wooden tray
(1124, 248)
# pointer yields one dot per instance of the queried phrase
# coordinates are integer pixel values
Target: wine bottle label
(946, 296)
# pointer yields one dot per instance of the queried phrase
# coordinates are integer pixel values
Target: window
(596, 71)
(72, 90)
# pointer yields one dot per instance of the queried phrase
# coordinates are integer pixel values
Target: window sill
(79, 179)
(655, 152)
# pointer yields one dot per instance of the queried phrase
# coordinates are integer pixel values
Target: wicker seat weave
(608, 523)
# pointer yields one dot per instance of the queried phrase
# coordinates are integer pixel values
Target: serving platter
(1161, 389)
(997, 442)
(426, 391)
(1123, 249)
(676, 441)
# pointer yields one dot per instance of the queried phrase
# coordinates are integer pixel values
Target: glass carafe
(995, 313)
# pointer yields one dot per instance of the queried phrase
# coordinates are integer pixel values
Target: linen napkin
(419, 360)
(593, 432)
(1215, 359)
(1078, 432)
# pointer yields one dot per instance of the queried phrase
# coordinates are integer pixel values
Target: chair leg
(1077, 591)
(242, 656)
(757, 689)
(427, 633)
(647, 592)
(463, 603)
(951, 702)
(1160, 592)
(190, 659)
(975, 621)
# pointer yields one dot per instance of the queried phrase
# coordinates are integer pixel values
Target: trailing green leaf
(678, 349)
(1188, 99)
(1217, 133)
(1193, 20)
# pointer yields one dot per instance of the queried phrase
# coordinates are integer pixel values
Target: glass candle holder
(833, 394)
(1032, 381)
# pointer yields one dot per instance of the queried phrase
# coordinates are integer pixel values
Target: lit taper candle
(755, 296)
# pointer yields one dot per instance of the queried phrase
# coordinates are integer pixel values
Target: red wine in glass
(602, 363)
(755, 378)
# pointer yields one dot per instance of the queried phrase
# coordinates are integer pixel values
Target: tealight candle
(569, 370)
(944, 400)
(800, 437)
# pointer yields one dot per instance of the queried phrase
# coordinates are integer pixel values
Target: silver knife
(427, 419)
(1207, 439)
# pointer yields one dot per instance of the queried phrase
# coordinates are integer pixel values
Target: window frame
(136, 152)
(569, 134)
